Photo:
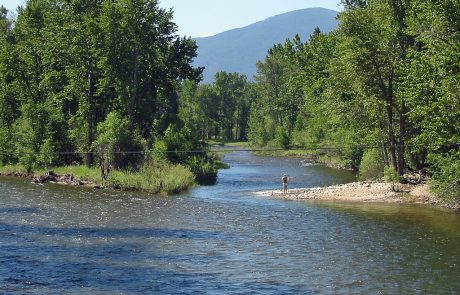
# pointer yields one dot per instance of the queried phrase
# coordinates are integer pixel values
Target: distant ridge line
(239, 49)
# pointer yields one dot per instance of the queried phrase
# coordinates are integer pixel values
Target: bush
(204, 169)
(282, 138)
(372, 165)
(113, 137)
(391, 175)
(446, 175)
(178, 137)
(159, 151)
(7, 155)
(48, 156)
(28, 159)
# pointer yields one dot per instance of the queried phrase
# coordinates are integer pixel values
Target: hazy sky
(197, 18)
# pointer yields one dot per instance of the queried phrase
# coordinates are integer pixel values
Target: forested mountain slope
(238, 50)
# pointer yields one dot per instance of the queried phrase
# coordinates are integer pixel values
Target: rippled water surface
(222, 240)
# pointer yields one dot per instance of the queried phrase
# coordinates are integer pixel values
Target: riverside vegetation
(96, 83)
(380, 94)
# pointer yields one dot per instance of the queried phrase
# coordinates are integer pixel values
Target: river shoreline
(116, 181)
(366, 192)
(51, 177)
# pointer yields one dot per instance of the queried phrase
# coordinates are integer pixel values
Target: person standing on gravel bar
(285, 183)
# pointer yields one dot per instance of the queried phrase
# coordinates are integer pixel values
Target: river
(222, 240)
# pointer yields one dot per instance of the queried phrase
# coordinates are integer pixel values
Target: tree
(431, 88)
(375, 46)
(66, 65)
(144, 60)
(117, 145)
(230, 88)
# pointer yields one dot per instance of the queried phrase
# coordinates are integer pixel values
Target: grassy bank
(163, 178)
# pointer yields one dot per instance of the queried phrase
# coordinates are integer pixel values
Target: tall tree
(230, 89)
(145, 60)
(67, 64)
(375, 45)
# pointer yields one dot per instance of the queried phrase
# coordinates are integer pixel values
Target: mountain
(238, 50)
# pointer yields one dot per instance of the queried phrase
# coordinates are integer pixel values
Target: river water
(222, 240)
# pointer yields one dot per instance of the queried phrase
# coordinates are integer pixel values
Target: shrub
(446, 175)
(178, 137)
(48, 156)
(391, 175)
(6, 148)
(372, 165)
(114, 136)
(282, 137)
(159, 151)
(204, 169)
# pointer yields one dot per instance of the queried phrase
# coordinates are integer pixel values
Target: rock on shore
(48, 177)
(56, 178)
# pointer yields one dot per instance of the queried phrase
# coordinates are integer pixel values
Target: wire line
(226, 150)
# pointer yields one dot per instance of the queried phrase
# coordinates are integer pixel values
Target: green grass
(163, 178)
(12, 169)
(82, 172)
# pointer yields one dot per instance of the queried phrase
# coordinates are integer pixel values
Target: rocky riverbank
(163, 178)
(50, 177)
(366, 192)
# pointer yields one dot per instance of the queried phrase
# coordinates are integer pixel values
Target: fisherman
(285, 183)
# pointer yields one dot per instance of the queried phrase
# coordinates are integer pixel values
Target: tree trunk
(391, 136)
(89, 120)
(385, 155)
(133, 100)
(391, 132)
(402, 135)
(237, 125)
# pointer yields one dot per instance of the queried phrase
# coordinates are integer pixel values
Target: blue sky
(197, 18)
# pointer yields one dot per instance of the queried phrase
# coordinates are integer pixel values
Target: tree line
(383, 88)
(84, 81)
(102, 77)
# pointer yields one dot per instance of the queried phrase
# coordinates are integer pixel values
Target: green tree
(144, 61)
(230, 89)
(117, 145)
(375, 45)
(431, 88)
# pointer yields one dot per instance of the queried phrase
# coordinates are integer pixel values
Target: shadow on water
(107, 261)
(113, 232)
(21, 210)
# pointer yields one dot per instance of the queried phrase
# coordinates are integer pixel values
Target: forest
(96, 81)
(381, 94)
